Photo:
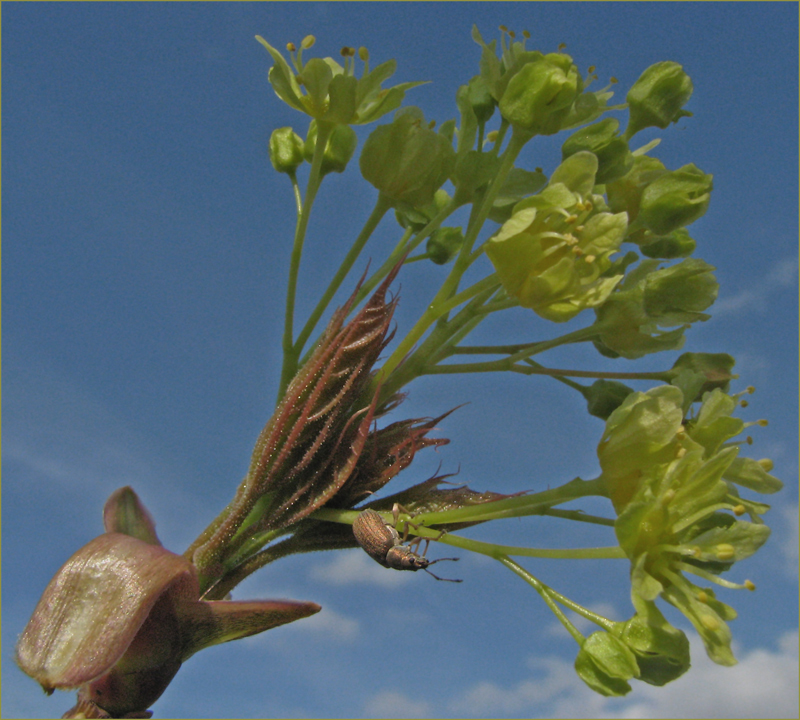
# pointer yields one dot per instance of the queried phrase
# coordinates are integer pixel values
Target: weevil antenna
(433, 562)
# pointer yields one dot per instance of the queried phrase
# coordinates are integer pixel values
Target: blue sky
(145, 245)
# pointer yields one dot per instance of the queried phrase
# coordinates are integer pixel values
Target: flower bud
(625, 193)
(630, 320)
(417, 218)
(675, 199)
(539, 96)
(605, 396)
(285, 150)
(678, 244)
(123, 613)
(338, 151)
(681, 292)
(715, 370)
(603, 140)
(443, 245)
(656, 98)
(480, 99)
(406, 160)
(662, 651)
(605, 664)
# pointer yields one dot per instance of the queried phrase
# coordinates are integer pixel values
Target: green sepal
(604, 141)
(678, 244)
(605, 396)
(706, 618)
(714, 368)
(577, 172)
(675, 199)
(406, 160)
(591, 673)
(751, 474)
(519, 184)
(473, 171)
(444, 244)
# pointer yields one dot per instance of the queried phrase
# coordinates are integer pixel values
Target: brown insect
(381, 541)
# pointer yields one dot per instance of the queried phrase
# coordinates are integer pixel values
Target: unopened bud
(657, 97)
(285, 150)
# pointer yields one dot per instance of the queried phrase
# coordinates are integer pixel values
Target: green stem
(544, 592)
(510, 507)
(436, 344)
(490, 549)
(460, 266)
(551, 596)
(314, 181)
(382, 205)
(493, 550)
(403, 247)
(579, 516)
(519, 506)
(298, 198)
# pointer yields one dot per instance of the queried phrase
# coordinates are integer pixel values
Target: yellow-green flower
(407, 160)
(671, 480)
(632, 321)
(552, 253)
(330, 92)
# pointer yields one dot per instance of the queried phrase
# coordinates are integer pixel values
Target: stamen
(725, 552)
(709, 622)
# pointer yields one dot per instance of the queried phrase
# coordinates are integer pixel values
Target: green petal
(282, 78)
(577, 172)
(713, 630)
(742, 538)
(750, 474)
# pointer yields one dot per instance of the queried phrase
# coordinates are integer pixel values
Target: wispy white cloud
(763, 685)
(357, 567)
(554, 677)
(782, 275)
(392, 704)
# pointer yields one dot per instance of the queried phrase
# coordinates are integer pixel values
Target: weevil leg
(428, 541)
(396, 510)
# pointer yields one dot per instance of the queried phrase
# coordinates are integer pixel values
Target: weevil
(381, 541)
